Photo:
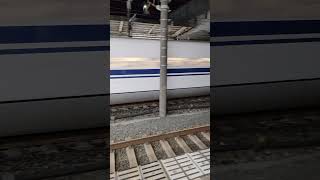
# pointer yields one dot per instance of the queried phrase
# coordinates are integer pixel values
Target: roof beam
(121, 26)
(151, 29)
(124, 18)
(180, 31)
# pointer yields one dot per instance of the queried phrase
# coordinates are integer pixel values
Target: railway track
(53, 155)
(266, 136)
(124, 111)
(181, 154)
(272, 131)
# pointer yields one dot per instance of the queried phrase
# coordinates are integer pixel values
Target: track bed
(165, 156)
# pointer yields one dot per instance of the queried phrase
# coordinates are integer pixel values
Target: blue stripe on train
(53, 50)
(252, 28)
(266, 41)
(126, 77)
(247, 28)
(54, 33)
(157, 71)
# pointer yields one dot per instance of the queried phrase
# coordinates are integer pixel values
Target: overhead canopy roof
(188, 19)
(119, 8)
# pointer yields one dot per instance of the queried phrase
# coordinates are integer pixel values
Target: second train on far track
(135, 74)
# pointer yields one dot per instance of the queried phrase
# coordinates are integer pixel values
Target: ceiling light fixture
(146, 5)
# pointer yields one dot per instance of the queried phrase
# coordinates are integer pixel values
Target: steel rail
(124, 144)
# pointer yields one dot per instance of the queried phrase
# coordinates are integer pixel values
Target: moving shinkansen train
(54, 61)
(135, 69)
(53, 57)
(266, 55)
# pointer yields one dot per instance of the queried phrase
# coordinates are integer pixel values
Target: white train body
(266, 55)
(53, 57)
(135, 69)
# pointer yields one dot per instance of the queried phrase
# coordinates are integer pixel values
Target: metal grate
(181, 167)
(130, 174)
(185, 167)
(202, 160)
(153, 171)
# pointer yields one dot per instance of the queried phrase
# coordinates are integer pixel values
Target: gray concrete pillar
(164, 8)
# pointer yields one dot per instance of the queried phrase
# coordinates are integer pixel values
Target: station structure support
(164, 8)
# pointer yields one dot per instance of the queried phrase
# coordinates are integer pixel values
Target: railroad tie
(167, 148)
(197, 141)
(112, 162)
(206, 136)
(131, 157)
(183, 145)
(150, 152)
(158, 137)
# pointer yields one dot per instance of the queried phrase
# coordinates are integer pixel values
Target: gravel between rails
(193, 146)
(175, 147)
(151, 109)
(141, 154)
(204, 140)
(122, 162)
(158, 150)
